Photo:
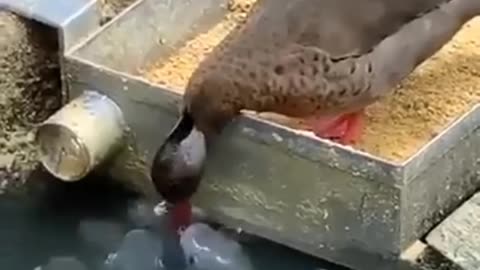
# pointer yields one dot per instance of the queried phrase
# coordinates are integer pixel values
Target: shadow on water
(43, 222)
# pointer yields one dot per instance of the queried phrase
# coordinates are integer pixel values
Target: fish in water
(207, 249)
(145, 214)
(139, 250)
(101, 234)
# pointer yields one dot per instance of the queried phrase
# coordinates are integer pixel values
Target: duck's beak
(179, 163)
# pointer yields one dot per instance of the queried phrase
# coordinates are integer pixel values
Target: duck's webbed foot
(345, 129)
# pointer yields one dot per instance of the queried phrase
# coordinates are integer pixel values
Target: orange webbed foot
(345, 129)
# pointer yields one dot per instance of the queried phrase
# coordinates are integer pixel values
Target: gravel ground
(30, 88)
(30, 91)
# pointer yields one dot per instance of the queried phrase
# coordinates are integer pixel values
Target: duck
(321, 60)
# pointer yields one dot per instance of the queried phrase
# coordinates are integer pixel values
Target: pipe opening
(62, 153)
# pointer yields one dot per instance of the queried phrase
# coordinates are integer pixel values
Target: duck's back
(241, 72)
(340, 27)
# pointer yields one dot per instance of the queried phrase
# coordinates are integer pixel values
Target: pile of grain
(176, 70)
(439, 91)
(30, 91)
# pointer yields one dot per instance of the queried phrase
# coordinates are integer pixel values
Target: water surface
(86, 221)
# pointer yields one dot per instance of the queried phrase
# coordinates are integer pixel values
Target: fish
(102, 234)
(208, 249)
(139, 250)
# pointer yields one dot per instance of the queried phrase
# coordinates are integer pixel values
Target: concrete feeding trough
(334, 202)
(457, 236)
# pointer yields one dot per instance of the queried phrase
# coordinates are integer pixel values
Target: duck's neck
(186, 147)
(183, 128)
(399, 54)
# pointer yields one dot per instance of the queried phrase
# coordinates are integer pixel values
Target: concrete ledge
(458, 236)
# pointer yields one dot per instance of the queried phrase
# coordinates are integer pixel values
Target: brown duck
(322, 60)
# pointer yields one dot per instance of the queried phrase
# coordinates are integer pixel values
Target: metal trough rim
(28, 11)
(65, 20)
(298, 142)
(101, 28)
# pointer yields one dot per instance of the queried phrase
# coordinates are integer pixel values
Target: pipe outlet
(80, 136)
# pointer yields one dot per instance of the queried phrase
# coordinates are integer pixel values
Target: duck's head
(178, 164)
(177, 168)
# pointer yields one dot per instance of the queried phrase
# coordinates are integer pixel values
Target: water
(207, 249)
(92, 225)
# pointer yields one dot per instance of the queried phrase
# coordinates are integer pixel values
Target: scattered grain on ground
(30, 91)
